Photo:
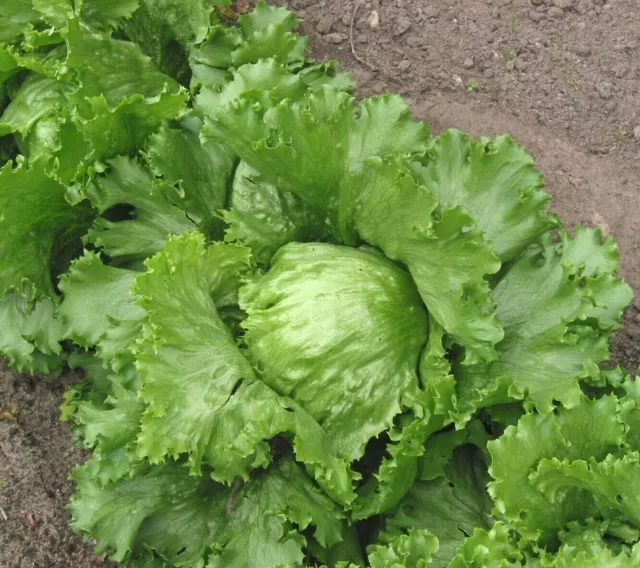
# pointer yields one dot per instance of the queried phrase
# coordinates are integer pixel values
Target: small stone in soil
(488, 73)
(565, 4)
(402, 27)
(324, 25)
(636, 132)
(520, 64)
(404, 65)
(604, 89)
(335, 38)
(467, 63)
(555, 12)
(535, 16)
(583, 51)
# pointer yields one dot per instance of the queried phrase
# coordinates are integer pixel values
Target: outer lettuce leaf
(31, 333)
(322, 327)
(266, 32)
(165, 30)
(36, 221)
(156, 215)
(94, 295)
(37, 97)
(16, 17)
(495, 548)
(109, 426)
(545, 453)
(98, 13)
(265, 219)
(570, 557)
(449, 507)
(447, 255)
(495, 181)
(122, 96)
(426, 412)
(314, 147)
(202, 394)
(202, 171)
(165, 510)
(413, 550)
(558, 304)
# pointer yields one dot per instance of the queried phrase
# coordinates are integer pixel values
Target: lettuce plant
(312, 334)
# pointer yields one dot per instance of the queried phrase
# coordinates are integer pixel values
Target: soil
(561, 76)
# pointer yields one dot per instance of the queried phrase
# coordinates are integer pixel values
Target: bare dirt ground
(561, 76)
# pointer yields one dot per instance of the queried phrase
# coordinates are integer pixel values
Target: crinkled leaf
(411, 550)
(31, 334)
(557, 318)
(314, 146)
(495, 181)
(37, 97)
(16, 16)
(264, 219)
(94, 294)
(449, 507)
(446, 255)
(155, 214)
(202, 393)
(493, 548)
(590, 431)
(34, 219)
(202, 171)
(178, 516)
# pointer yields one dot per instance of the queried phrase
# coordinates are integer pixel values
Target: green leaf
(446, 254)
(203, 172)
(178, 516)
(322, 327)
(413, 550)
(16, 17)
(38, 96)
(122, 95)
(265, 219)
(31, 334)
(202, 394)
(94, 295)
(583, 435)
(165, 30)
(34, 218)
(558, 311)
(494, 548)
(495, 181)
(155, 213)
(449, 507)
(97, 13)
(313, 146)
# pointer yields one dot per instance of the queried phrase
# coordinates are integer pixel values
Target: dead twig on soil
(353, 47)
(4, 515)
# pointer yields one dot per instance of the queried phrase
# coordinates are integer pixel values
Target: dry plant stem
(353, 48)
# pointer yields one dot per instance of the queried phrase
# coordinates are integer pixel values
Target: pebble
(431, 12)
(404, 65)
(324, 25)
(636, 132)
(488, 73)
(335, 38)
(402, 27)
(555, 12)
(467, 63)
(535, 16)
(583, 51)
(605, 89)
(564, 4)
(520, 64)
